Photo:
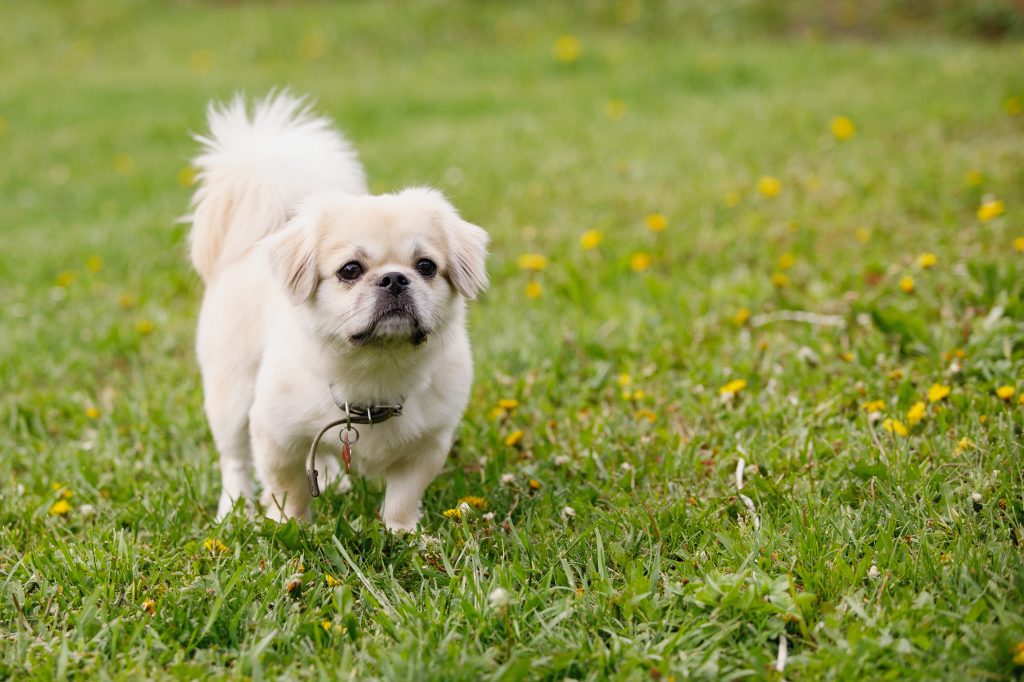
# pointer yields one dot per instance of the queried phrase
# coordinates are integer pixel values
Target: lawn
(749, 373)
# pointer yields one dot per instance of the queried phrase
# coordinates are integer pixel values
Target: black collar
(364, 414)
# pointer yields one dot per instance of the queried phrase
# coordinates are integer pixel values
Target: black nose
(395, 282)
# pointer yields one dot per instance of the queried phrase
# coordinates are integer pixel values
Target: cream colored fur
(282, 205)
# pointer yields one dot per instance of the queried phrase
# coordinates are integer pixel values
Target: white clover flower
(568, 513)
(507, 479)
(499, 598)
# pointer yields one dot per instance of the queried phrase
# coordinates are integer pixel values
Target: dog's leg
(406, 482)
(228, 414)
(283, 475)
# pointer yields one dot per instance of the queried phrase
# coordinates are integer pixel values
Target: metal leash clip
(349, 436)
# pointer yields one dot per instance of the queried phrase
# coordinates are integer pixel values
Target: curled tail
(255, 167)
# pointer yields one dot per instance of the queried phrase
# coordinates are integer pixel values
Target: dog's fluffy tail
(255, 167)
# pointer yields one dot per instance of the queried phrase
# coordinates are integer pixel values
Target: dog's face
(379, 270)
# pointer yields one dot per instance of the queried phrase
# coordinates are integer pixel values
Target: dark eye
(426, 267)
(350, 271)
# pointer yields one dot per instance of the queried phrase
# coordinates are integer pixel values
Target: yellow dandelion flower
(656, 222)
(646, 414)
(214, 546)
(896, 375)
(534, 484)
(94, 264)
(769, 187)
(124, 164)
(1005, 392)
(973, 178)
(732, 199)
(964, 445)
(498, 413)
(508, 403)
(513, 438)
(455, 513)
(474, 501)
(1013, 105)
(640, 261)
(862, 234)
(331, 580)
(566, 49)
(639, 394)
(895, 426)
(780, 280)
(145, 327)
(533, 290)
(326, 625)
(733, 387)
(846, 356)
(60, 508)
(843, 128)
(786, 261)
(627, 395)
(1018, 244)
(625, 379)
(873, 406)
(991, 209)
(201, 61)
(126, 301)
(149, 606)
(532, 261)
(591, 239)
(313, 45)
(907, 285)
(741, 316)
(937, 392)
(66, 279)
(983, 419)
(1021, 399)
(615, 109)
(92, 413)
(927, 260)
(187, 176)
(916, 413)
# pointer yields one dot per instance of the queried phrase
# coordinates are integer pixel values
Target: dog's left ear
(467, 243)
(467, 256)
(293, 257)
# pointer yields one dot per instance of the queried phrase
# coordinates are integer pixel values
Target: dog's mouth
(397, 323)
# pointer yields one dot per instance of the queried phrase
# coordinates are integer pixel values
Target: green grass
(662, 570)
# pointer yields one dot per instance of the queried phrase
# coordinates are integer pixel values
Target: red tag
(346, 453)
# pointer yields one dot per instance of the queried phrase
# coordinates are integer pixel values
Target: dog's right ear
(293, 257)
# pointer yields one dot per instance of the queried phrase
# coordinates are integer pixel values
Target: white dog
(320, 296)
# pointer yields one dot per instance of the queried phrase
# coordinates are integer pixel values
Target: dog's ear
(293, 256)
(467, 257)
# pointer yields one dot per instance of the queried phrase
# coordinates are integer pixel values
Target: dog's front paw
(401, 528)
(227, 504)
(281, 510)
(399, 525)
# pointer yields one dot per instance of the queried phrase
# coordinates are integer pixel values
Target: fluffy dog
(313, 288)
